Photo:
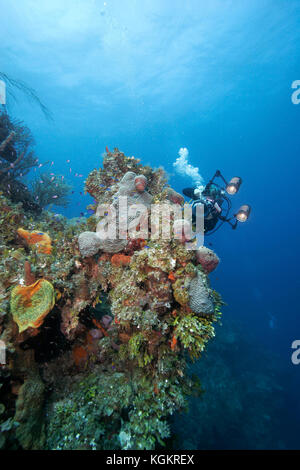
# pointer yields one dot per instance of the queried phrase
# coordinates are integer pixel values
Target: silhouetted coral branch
(28, 91)
(12, 165)
(47, 189)
(7, 140)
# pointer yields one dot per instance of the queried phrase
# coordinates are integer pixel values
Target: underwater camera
(217, 194)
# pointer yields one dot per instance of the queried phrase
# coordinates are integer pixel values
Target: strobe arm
(217, 174)
(229, 221)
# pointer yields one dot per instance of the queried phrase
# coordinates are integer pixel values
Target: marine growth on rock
(125, 315)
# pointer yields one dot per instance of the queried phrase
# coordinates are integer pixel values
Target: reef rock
(113, 246)
(132, 189)
(29, 414)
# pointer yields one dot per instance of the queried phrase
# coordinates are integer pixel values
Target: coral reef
(105, 326)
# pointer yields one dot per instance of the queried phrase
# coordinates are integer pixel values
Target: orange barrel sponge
(39, 239)
(29, 305)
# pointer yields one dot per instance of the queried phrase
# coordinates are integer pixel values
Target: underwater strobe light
(231, 188)
(243, 213)
(234, 185)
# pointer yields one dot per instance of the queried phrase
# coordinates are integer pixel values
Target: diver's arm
(189, 192)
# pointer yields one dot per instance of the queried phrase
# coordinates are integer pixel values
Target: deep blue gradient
(150, 77)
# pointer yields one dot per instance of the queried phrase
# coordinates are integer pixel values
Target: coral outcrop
(107, 325)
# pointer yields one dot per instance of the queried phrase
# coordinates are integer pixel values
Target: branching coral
(15, 141)
(14, 85)
(16, 159)
(193, 333)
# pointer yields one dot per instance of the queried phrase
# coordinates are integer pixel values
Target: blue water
(150, 77)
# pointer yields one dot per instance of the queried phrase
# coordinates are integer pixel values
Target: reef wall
(98, 333)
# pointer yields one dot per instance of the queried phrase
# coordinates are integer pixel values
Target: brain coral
(89, 243)
(200, 298)
(30, 304)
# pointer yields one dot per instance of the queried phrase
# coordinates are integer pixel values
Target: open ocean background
(150, 77)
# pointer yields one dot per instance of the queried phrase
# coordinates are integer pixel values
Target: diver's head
(213, 192)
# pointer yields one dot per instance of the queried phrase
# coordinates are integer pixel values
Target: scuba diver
(214, 198)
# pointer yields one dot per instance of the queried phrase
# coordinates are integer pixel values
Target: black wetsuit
(211, 215)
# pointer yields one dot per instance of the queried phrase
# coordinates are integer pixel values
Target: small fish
(52, 163)
(40, 165)
(54, 197)
(68, 161)
(53, 177)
